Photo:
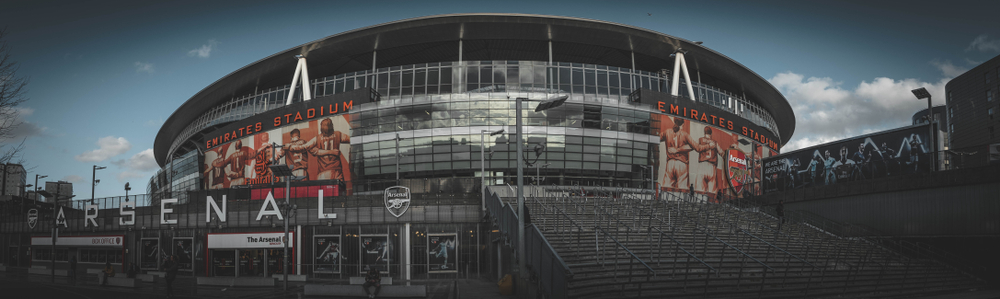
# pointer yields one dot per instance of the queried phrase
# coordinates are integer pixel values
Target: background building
(974, 123)
(14, 179)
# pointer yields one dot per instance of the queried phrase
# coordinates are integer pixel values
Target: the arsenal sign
(736, 170)
(397, 200)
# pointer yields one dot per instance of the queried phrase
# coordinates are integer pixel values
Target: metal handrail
(606, 234)
(681, 247)
(778, 248)
(737, 249)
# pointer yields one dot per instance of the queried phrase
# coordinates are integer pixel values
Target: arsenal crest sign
(32, 218)
(397, 200)
(736, 170)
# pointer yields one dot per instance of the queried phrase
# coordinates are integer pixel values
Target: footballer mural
(317, 149)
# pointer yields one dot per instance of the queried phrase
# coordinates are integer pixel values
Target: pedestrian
(372, 279)
(131, 270)
(72, 267)
(718, 196)
(108, 272)
(170, 266)
(780, 210)
(527, 215)
(691, 190)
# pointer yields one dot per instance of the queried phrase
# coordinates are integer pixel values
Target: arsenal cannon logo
(32, 218)
(736, 170)
(397, 200)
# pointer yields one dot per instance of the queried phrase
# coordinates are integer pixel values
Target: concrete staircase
(621, 245)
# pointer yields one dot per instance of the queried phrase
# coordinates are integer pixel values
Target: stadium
(395, 146)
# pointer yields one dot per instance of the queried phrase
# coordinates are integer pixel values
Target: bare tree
(12, 93)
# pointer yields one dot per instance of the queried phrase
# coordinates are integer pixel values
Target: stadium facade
(419, 103)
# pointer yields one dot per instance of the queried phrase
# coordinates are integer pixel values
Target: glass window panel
(419, 77)
(577, 77)
(446, 76)
(525, 75)
(499, 75)
(424, 166)
(485, 75)
(591, 165)
(432, 77)
(574, 164)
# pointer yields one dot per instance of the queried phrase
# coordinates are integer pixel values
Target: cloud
(153, 122)
(205, 50)
(23, 129)
(143, 161)
(144, 67)
(982, 43)
(73, 178)
(124, 176)
(950, 70)
(109, 147)
(826, 111)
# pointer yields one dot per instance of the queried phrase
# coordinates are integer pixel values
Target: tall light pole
(482, 160)
(397, 139)
(921, 93)
(36, 185)
(519, 144)
(94, 181)
(286, 172)
(652, 185)
(127, 188)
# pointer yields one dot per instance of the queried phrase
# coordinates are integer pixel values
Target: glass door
(251, 262)
(224, 262)
(275, 261)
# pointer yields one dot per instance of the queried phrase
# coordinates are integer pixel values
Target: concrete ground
(16, 283)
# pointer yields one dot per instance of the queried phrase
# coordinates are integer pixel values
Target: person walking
(72, 267)
(170, 266)
(780, 210)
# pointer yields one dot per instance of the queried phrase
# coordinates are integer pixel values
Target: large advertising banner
(183, 249)
(696, 156)
(150, 254)
(329, 258)
(318, 149)
(375, 252)
(441, 257)
(896, 152)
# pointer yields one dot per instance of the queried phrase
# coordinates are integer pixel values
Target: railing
(602, 257)
(552, 272)
(687, 263)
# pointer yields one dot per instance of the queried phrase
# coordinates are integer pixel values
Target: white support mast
(303, 70)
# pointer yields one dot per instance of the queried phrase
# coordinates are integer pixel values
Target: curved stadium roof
(485, 36)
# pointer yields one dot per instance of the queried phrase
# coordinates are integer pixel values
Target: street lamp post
(921, 93)
(94, 181)
(286, 172)
(127, 188)
(652, 185)
(482, 160)
(397, 139)
(544, 105)
(36, 185)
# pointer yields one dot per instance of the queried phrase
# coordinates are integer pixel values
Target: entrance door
(275, 261)
(251, 262)
(224, 262)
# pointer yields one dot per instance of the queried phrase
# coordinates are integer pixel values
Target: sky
(104, 75)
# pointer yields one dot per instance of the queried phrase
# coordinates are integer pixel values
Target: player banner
(375, 252)
(883, 154)
(149, 254)
(441, 256)
(736, 170)
(183, 249)
(329, 258)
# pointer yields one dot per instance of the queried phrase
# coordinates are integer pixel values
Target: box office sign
(105, 241)
(250, 240)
